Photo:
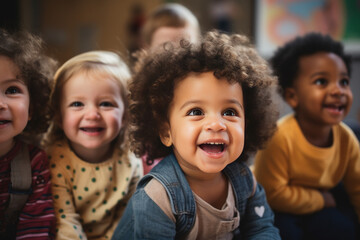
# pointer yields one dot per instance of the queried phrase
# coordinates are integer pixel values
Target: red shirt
(37, 218)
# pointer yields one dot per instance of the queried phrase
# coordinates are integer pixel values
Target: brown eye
(344, 82)
(230, 112)
(320, 81)
(194, 112)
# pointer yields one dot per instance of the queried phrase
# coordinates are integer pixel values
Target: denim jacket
(143, 219)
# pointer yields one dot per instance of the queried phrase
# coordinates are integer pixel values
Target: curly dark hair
(285, 61)
(36, 70)
(227, 56)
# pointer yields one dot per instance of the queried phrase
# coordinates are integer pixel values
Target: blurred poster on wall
(278, 21)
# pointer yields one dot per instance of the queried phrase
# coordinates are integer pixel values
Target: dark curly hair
(36, 70)
(230, 57)
(285, 61)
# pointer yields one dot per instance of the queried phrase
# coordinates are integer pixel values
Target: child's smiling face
(321, 92)
(14, 104)
(206, 123)
(92, 110)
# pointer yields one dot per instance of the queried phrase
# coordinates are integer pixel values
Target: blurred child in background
(170, 22)
(310, 169)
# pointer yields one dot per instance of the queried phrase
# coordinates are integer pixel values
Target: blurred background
(70, 27)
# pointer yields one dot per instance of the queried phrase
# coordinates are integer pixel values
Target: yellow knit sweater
(293, 171)
(89, 198)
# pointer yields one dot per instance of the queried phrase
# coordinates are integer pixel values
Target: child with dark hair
(26, 207)
(209, 106)
(310, 168)
(170, 22)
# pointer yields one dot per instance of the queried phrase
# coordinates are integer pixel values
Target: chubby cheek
(22, 111)
(69, 123)
(23, 116)
(238, 141)
(350, 101)
(114, 121)
(69, 120)
(186, 136)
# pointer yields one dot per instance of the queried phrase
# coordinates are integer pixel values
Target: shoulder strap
(178, 189)
(241, 178)
(19, 189)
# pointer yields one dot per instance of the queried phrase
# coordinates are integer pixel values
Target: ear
(165, 135)
(291, 97)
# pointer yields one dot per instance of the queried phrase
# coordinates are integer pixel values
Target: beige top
(89, 198)
(210, 223)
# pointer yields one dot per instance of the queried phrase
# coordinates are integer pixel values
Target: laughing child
(170, 22)
(209, 106)
(311, 166)
(26, 206)
(92, 171)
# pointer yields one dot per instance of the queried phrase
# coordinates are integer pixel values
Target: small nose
(92, 113)
(337, 90)
(3, 104)
(215, 123)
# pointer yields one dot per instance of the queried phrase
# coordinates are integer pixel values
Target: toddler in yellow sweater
(310, 168)
(93, 173)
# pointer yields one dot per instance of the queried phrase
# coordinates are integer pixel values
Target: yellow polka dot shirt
(89, 198)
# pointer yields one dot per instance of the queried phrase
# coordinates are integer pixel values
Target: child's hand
(328, 199)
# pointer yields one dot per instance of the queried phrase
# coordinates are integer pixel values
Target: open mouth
(336, 108)
(213, 147)
(4, 122)
(92, 130)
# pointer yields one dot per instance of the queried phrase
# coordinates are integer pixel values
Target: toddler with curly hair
(209, 107)
(26, 206)
(310, 168)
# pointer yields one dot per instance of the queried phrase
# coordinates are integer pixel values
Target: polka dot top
(89, 198)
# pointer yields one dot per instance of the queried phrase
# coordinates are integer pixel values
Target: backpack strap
(19, 189)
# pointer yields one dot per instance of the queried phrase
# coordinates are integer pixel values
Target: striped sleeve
(37, 220)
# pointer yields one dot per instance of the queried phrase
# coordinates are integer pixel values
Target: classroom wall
(70, 27)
